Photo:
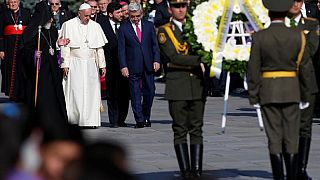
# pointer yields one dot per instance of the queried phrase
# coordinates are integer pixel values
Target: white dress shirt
(134, 27)
(178, 23)
(113, 25)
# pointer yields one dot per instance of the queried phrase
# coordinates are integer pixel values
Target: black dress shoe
(147, 123)
(88, 127)
(122, 124)
(139, 125)
(114, 126)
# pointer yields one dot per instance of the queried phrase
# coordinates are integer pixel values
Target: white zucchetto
(84, 6)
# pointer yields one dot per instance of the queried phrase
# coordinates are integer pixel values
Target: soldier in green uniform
(276, 73)
(184, 91)
(310, 27)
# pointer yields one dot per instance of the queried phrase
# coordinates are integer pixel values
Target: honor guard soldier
(310, 28)
(275, 77)
(184, 91)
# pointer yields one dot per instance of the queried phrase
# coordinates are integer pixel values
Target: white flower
(236, 9)
(243, 54)
(205, 25)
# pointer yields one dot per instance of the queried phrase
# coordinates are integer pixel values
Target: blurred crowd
(35, 150)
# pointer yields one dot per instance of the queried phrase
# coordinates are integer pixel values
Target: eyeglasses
(178, 5)
(57, 4)
(94, 6)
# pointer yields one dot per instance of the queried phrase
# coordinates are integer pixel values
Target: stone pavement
(240, 154)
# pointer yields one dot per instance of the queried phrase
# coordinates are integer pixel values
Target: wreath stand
(237, 31)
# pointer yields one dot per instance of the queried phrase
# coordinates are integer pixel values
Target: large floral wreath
(202, 29)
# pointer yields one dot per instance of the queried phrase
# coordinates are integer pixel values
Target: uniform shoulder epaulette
(165, 25)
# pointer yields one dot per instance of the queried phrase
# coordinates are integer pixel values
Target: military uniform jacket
(185, 82)
(310, 27)
(276, 49)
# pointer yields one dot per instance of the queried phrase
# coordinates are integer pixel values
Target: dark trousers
(117, 110)
(142, 85)
(282, 123)
(306, 118)
(187, 119)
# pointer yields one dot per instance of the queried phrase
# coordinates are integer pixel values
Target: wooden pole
(37, 67)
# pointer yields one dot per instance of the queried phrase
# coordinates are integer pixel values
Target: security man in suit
(184, 91)
(275, 77)
(60, 15)
(310, 27)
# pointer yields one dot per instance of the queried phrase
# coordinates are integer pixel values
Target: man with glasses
(139, 58)
(184, 91)
(94, 7)
(60, 15)
(310, 27)
(13, 21)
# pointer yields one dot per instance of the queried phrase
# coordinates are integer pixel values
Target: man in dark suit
(184, 91)
(312, 10)
(310, 28)
(162, 14)
(60, 15)
(117, 86)
(275, 77)
(139, 58)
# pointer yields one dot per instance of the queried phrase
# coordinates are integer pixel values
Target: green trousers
(282, 123)
(187, 119)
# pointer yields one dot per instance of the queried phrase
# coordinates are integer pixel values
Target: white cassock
(83, 56)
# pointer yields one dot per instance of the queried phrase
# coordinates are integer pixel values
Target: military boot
(277, 166)
(304, 148)
(196, 154)
(182, 154)
(291, 161)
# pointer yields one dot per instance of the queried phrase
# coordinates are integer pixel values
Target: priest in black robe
(13, 21)
(48, 103)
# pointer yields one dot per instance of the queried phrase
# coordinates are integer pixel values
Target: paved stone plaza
(241, 153)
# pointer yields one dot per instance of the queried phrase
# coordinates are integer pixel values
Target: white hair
(133, 6)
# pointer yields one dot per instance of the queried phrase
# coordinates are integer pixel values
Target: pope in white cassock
(81, 60)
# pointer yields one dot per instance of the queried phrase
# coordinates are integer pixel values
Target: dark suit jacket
(276, 49)
(64, 16)
(136, 56)
(162, 14)
(312, 10)
(111, 54)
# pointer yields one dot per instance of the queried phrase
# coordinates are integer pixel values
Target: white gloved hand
(256, 106)
(304, 105)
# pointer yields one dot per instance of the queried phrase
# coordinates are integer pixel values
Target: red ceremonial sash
(11, 30)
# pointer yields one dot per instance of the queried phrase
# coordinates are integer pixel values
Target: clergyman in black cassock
(13, 21)
(50, 102)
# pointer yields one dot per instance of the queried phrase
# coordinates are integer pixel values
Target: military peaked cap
(278, 5)
(178, 1)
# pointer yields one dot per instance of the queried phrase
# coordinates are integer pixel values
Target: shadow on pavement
(207, 175)
(253, 114)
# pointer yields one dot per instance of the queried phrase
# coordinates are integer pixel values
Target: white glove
(257, 106)
(304, 105)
